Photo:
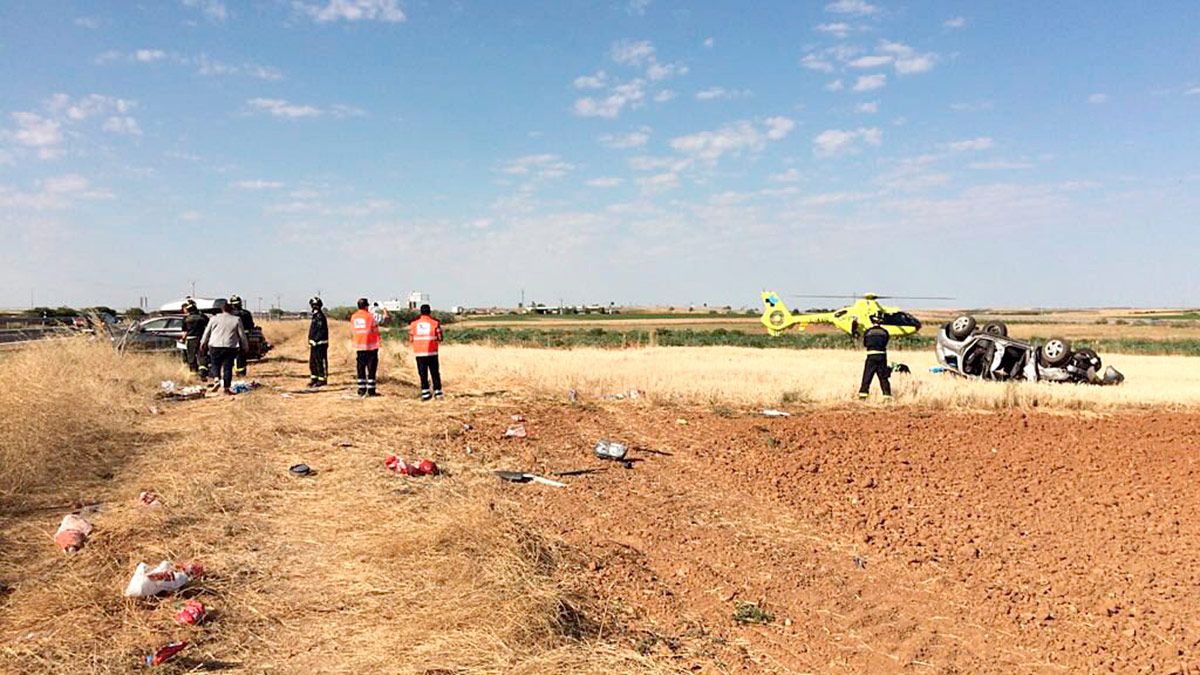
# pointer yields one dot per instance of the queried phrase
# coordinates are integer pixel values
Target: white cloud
(352, 10)
(122, 124)
(277, 107)
(213, 10)
(908, 61)
(1000, 165)
(629, 94)
(209, 67)
(735, 138)
(633, 139)
(52, 194)
(870, 82)
(839, 29)
(88, 106)
(632, 53)
(868, 108)
(708, 43)
(779, 127)
(853, 7)
(661, 71)
(972, 144)
(715, 93)
(664, 95)
(258, 184)
(792, 175)
(40, 133)
(871, 61)
(88, 22)
(971, 107)
(833, 142)
(955, 22)
(605, 182)
(149, 55)
(596, 81)
(814, 62)
(658, 182)
(1098, 98)
(543, 166)
(835, 85)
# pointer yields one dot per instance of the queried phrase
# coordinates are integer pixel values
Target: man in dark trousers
(425, 334)
(223, 339)
(318, 345)
(875, 339)
(364, 336)
(194, 323)
(247, 320)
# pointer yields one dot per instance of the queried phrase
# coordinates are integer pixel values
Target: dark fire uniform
(875, 339)
(318, 349)
(247, 323)
(194, 324)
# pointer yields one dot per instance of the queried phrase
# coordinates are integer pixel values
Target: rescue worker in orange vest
(425, 333)
(364, 335)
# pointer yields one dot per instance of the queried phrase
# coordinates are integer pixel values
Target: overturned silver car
(987, 352)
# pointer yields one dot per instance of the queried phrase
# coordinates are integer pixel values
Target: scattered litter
(467, 427)
(606, 449)
(343, 444)
(521, 477)
(164, 653)
(193, 613)
(516, 431)
(172, 392)
(285, 395)
(771, 412)
(242, 386)
(578, 472)
(148, 498)
(937, 369)
(425, 467)
(72, 533)
(860, 563)
(301, 470)
(518, 418)
(572, 395)
(167, 385)
(681, 422)
(162, 579)
(154, 410)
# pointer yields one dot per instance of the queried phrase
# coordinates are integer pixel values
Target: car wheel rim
(1054, 349)
(960, 325)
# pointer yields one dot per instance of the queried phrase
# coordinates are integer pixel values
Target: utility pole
(278, 301)
(260, 304)
(193, 282)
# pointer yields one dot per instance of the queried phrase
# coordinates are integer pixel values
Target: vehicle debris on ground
(164, 578)
(523, 477)
(165, 653)
(192, 613)
(611, 450)
(424, 467)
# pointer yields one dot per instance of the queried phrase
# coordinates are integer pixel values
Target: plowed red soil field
(884, 540)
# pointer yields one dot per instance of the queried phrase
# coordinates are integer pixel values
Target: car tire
(1055, 353)
(961, 327)
(996, 328)
(1090, 357)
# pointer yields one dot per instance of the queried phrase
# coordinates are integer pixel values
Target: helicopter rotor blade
(913, 297)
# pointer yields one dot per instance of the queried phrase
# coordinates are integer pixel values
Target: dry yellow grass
(352, 570)
(68, 407)
(742, 376)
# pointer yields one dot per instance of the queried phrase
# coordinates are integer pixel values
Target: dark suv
(164, 334)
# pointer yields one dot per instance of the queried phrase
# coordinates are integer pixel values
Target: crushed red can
(194, 570)
(165, 653)
(398, 465)
(192, 613)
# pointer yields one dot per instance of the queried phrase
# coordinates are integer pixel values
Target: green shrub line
(566, 338)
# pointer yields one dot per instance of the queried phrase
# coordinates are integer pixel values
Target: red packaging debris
(518, 418)
(516, 431)
(148, 498)
(192, 613)
(164, 653)
(426, 467)
(72, 533)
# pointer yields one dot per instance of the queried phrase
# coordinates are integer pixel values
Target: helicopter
(852, 319)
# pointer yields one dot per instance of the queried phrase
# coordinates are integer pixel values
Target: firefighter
(247, 320)
(364, 336)
(318, 345)
(875, 339)
(425, 334)
(194, 323)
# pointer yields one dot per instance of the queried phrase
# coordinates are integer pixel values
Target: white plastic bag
(72, 533)
(149, 583)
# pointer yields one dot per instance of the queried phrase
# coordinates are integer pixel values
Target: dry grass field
(965, 527)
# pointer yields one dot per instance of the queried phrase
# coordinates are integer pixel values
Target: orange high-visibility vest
(425, 333)
(364, 332)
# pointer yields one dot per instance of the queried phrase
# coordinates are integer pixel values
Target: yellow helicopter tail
(776, 317)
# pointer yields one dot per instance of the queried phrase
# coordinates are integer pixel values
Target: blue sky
(644, 151)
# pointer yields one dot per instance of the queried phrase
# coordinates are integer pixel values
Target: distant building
(417, 298)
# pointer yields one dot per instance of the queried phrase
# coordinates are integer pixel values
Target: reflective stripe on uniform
(872, 352)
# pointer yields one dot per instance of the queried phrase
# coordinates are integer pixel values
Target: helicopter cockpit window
(901, 319)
